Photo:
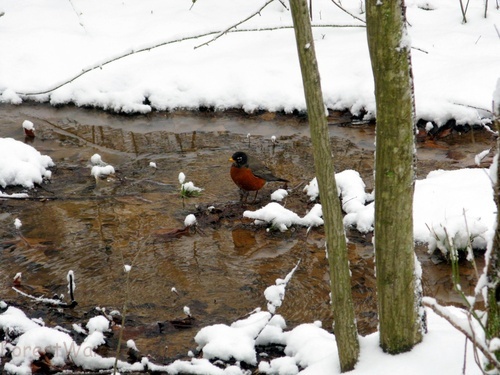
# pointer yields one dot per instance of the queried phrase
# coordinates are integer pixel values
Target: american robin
(249, 174)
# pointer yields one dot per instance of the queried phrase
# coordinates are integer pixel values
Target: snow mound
(22, 164)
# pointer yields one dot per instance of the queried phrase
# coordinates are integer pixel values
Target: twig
(469, 248)
(284, 5)
(47, 301)
(474, 344)
(474, 107)
(420, 49)
(465, 356)
(464, 10)
(285, 283)
(71, 285)
(78, 14)
(124, 312)
(349, 13)
(235, 25)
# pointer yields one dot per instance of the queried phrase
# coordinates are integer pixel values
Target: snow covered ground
(46, 43)
(309, 349)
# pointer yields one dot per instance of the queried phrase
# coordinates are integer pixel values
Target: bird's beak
(231, 160)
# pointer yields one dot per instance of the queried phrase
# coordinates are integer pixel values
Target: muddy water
(95, 227)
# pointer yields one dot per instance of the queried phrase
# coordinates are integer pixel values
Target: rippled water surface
(221, 271)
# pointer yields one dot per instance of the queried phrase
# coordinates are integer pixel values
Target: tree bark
(493, 270)
(343, 308)
(400, 327)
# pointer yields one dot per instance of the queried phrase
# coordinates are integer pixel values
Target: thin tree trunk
(400, 328)
(493, 270)
(343, 308)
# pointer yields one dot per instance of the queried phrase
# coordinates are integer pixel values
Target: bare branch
(78, 14)
(235, 25)
(439, 310)
(349, 13)
(145, 49)
(100, 65)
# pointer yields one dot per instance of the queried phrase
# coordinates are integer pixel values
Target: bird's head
(239, 159)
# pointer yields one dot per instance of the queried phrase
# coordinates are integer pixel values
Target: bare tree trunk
(493, 270)
(343, 308)
(400, 327)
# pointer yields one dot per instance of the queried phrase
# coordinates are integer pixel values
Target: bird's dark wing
(262, 171)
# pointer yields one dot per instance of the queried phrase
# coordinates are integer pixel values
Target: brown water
(220, 272)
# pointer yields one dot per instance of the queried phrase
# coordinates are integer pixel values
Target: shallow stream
(135, 217)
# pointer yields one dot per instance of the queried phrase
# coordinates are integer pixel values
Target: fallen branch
(474, 107)
(147, 49)
(440, 310)
(47, 301)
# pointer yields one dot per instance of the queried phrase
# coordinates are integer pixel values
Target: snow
(188, 188)
(98, 323)
(22, 164)
(182, 178)
(33, 340)
(131, 345)
(14, 321)
(279, 195)
(96, 160)
(18, 224)
(459, 203)
(455, 64)
(278, 216)
(479, 157)
(28, 125)
(70, 277)
(456, 205)
(99, 167)
(309, 349)
(275, 294)
(190, 220)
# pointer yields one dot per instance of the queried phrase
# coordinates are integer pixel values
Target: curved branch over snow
(101, 64)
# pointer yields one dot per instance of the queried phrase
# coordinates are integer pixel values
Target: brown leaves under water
(170, 234)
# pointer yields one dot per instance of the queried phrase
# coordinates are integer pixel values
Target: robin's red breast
(249, 174)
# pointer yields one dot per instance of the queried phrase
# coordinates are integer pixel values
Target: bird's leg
(243, 195)
(255, 197)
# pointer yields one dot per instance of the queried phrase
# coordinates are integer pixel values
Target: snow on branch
(276, 293)
(47, 301)
(466, 328)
